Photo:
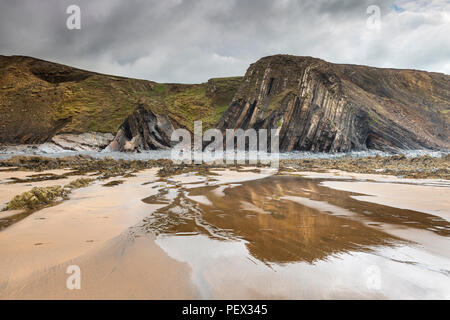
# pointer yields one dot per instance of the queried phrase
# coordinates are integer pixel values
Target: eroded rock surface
(320, 106)
(83, 142)
(143, 130)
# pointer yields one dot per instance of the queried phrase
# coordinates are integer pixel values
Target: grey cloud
(193, 40)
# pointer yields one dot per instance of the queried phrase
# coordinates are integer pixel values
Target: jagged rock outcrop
(143, 130)
(320, 106)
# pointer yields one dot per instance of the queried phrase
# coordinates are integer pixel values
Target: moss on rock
(79, 183)
(36, 197)
(40, 196)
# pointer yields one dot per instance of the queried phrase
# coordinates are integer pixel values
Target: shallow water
(290, 237)
(234, 234)
(7, 152)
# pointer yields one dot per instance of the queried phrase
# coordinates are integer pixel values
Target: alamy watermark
(373, 22)
(241, 146)
(73, 21)
(73, 282)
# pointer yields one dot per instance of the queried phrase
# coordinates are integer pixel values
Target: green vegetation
(40, 98)
(280, 123)
(222, 90)
(189, 105)
(101, 103)
(40, 196)
(36, 197)
(79, 183)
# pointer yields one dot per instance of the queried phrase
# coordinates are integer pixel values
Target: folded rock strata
(143, 130)
(92, 141)
(320, 106)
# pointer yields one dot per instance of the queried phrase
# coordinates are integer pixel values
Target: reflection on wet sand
(277, 230)
(13, 183)
(291, 237)
(241, 235)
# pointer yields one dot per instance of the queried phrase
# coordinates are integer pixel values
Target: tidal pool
(232, 234)
(291, 237)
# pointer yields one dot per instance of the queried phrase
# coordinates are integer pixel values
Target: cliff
(40, 99)
(320, 106)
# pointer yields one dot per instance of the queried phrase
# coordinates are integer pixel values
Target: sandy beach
(250, 233)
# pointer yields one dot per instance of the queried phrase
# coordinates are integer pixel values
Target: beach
(228, 233)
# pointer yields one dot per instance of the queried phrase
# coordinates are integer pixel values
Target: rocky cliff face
(320, 106)
(143, 130)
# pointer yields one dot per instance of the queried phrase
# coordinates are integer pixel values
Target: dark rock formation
(320, 106)
(143, 130)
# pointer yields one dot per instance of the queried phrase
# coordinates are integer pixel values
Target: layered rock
(143, 130)
(92, 141)
(320, 106)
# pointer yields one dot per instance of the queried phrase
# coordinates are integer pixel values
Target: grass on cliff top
(39, 99)
(187, 103)
(101, 103)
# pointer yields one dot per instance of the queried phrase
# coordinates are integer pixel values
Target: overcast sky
(191, 41)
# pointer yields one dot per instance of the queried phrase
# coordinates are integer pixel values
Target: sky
(190, 41)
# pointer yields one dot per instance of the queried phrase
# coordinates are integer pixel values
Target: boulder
(143, 130)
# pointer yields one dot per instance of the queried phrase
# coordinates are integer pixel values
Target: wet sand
(8, 189)
(88, 230)
(429, 199)
(247, 234)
